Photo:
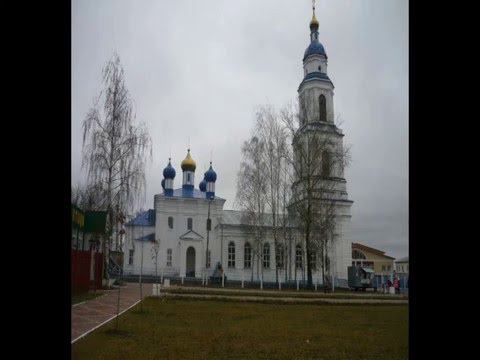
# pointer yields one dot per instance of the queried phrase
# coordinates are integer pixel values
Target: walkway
(89, 315)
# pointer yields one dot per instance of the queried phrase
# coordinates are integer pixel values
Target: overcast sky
(197, 69)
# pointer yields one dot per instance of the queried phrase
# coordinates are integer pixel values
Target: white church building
(177, 226)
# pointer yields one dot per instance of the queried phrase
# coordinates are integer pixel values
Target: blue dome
(169, 171)
(210, 175)
(203, 186)
(163, 184)
(315, 47)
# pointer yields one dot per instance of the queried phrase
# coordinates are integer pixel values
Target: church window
(170, 222)
(322, 107)
(130, 257)
(298, 257)
(266, 256)
(319, 68)
(169, 257)
(313, 260)
(280, 255)
(188, 177)
(209, 258)
(189, 223)
(247, 260)
(358, 255)
(383, 267)
(326, 164)
(231, 254)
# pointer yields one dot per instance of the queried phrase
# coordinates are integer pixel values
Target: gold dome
(314, 23)
(188, 164)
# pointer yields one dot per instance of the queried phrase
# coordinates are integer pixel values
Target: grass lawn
(205, 329)
(85, 297)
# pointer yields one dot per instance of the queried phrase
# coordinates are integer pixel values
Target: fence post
(279, 285)
(298, 284)
(242, 279)
(182, 280)
(223, 279)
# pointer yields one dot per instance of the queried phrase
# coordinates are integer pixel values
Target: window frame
(231, 254)
(169, 257)
(189, 223)
(131, 254)
(298, 257)
(247, 260)
(170, 226)
(266, 256)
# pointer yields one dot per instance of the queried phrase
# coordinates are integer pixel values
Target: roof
(315, 47)
(404, 259)
(370, 249)
(193, 194)
(146, 218)
(191, 235)
(315, 75)
(149, 237)
(368, 270)
(239, 218)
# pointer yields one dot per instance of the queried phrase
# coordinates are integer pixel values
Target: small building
(401, 266)
(366, 256)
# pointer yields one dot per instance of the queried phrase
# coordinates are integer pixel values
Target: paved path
(287, 300)
(90, 314)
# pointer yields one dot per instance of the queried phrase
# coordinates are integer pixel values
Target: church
(188, 233)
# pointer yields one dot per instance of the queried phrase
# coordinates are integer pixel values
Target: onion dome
(203, 186)
(188, 164)
(163, 184)
(315, 47)
(314, 23)
(169, 171)
(210, 175)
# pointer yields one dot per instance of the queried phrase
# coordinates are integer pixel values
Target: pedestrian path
(91, 314)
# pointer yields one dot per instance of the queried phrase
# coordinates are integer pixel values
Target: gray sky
(197, 69)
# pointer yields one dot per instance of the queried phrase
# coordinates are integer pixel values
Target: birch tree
(315, 159)
(273, 135)
(251, 195)
(115, 147)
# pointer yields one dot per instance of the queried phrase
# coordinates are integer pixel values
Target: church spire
(314, 23)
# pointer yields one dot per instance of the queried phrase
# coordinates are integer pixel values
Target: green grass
(285, 293)
(85, 297)
(204, 329)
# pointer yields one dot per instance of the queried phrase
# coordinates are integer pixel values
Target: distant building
(401, 266)
(366, 256)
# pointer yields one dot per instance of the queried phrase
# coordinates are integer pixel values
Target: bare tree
(88, 197)
(316, 156)
(274, 135)
(154, 253)
(251, 195)
(115, 148)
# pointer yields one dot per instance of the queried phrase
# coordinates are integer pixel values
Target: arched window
(279, 256)
(231, 254)
(247, 259)
(170, 222)
(313, 260)
(266, 255)
(326, 163)
(358, 255)
(298, 257)
(322, 108)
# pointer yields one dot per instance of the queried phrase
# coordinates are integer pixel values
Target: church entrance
(190, 262)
